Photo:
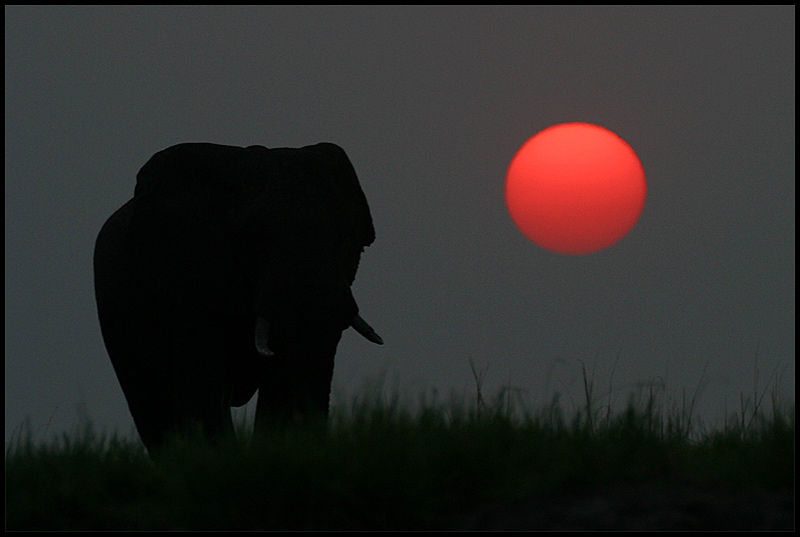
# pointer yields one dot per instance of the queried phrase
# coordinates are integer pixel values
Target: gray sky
(430, 103)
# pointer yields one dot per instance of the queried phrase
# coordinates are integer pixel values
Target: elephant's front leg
(296, 384)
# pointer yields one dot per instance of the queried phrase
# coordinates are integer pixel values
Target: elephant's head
(305, 228)
(231, 271)
(298, 217)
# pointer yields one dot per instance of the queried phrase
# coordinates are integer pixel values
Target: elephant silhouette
(230, 272)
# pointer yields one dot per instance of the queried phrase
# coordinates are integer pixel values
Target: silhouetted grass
(381, 467)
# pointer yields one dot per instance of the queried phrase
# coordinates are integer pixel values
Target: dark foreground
(384, 469)
(643, 507)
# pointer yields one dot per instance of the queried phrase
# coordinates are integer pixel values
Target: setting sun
(575, 188)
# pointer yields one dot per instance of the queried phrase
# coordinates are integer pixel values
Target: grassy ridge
(380, 468)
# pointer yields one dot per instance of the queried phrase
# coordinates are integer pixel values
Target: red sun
(575, 188)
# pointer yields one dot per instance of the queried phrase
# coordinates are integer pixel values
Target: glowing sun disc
(575, 188)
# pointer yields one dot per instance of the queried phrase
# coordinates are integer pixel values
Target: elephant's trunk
(262, 334)
(262, 338)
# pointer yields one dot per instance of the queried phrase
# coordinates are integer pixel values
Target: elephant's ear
(354, 203)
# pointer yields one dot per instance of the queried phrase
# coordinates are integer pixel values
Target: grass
(382, 467)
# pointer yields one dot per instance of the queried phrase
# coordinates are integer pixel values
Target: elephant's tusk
(365, 330)
(262, 338)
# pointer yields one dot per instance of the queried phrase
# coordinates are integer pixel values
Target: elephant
(228, 272)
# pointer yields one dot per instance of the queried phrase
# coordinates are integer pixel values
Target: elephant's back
(185, 167)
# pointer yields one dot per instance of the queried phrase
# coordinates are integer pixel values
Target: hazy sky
(430, 103)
